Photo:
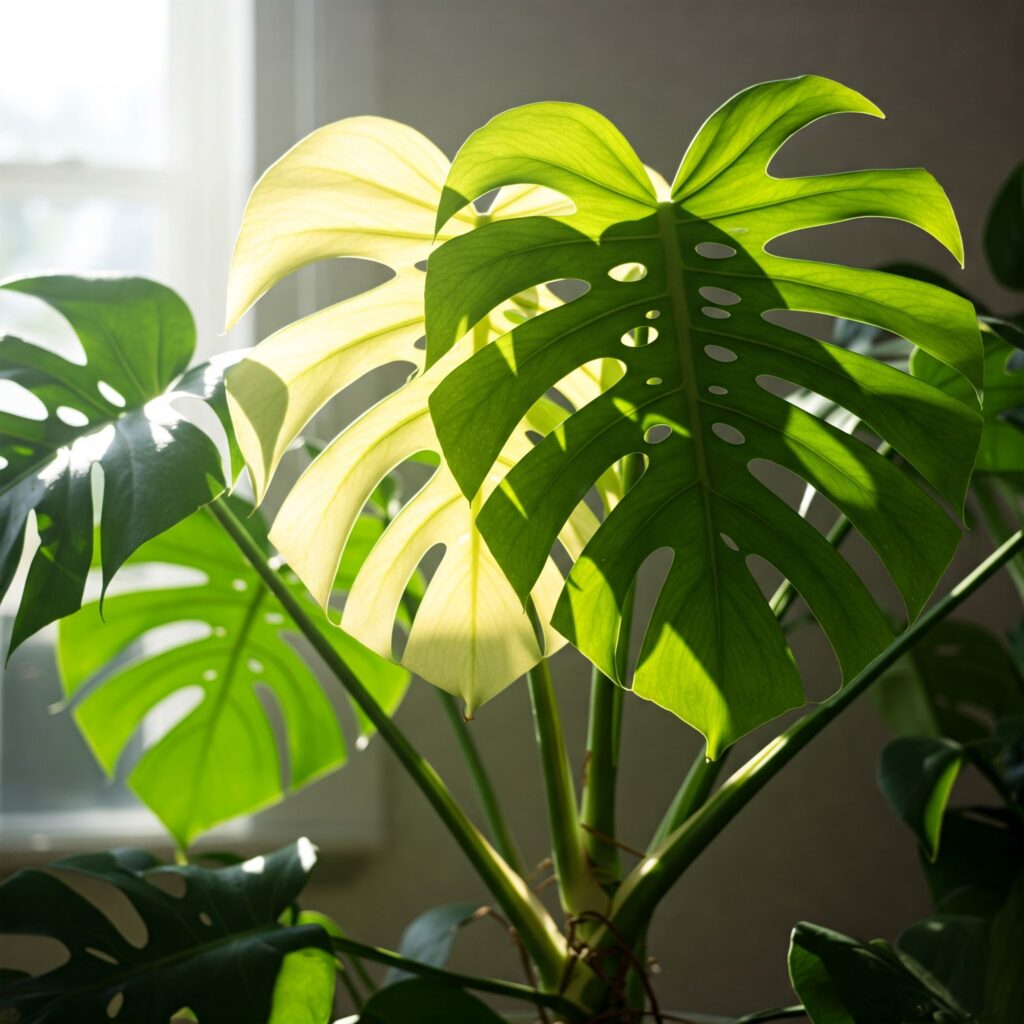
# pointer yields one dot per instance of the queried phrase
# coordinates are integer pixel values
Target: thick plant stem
(604, 726)
(493, 985)
(649, 882)
(537, 931)
(690, 796)
(498, 827)
(577, 888)
(597, 813)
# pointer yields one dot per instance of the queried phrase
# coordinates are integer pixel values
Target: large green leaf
(917, 774)
(842, 981)
(1004, 232)
(699, 400)
(213, 941)
(221, 759)
(1002, 440)
(114, 411)
(367, 187)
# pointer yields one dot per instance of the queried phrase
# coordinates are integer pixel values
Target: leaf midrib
(674, 283)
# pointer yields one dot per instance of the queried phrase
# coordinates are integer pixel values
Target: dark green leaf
(842, 981)
(690, 276)
(114, 411)
(217, 948)
(916, 774)
(1005, 976)
(955, 682)
(221, 759)
(426, 1002)
(979, 861)
(1004, 232)
(953, 947)
(429, 938)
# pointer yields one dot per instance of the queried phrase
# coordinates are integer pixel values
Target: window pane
(44, 765)
(83, 81)
(38, 234)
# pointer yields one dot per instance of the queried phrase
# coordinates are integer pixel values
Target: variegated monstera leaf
(679, 283)
(368, 188)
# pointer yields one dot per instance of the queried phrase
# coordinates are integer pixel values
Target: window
(125, 144)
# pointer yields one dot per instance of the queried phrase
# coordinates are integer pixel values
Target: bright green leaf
(916, 774)
(699, 399)
(304, 990)
(367, 187)
(221, 758)
(116, 411)
(217, 947)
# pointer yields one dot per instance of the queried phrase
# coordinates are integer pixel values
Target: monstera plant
(591, 369)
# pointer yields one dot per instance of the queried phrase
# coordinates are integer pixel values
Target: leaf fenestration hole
(254, 665)
(719, 296)
(653, 380)
(169, 712)
(729, 542)
(720, 353)
(72, 417)
(715, 313)
(239, 585)
(111, 394)
(273, 618)
(639, 336)
(421, 265)
(420, 343)
(115, 1004)
(658, 433)
(714, 250)
(626, 273)
(728, 433)
(205, 918)
(101, 955)
(717, 389)
(652, 314)
(17, 399)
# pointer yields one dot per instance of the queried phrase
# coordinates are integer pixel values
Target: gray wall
(820, 844)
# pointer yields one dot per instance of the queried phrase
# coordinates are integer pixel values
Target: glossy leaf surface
(367, 187)
(917, 774)
(114, 411)
(679, 282)
(842, 981)
(212, 940)
(224, 641)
